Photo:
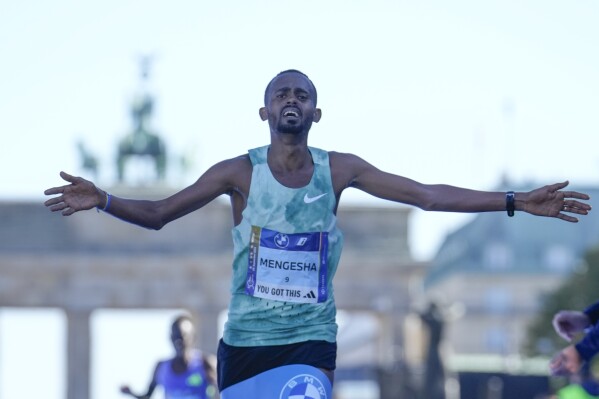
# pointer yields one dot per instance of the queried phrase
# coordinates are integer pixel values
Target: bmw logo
(303, 386)
(281, 240)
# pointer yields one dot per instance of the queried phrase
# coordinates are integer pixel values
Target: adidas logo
(310, 295)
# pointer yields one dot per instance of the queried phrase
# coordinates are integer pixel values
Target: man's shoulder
(240, 161)
(345, 167)
(231, 172)
(342, 157)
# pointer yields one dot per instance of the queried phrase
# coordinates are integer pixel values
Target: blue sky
(459, 92)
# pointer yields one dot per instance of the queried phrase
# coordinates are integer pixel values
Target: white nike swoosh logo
(309, 200)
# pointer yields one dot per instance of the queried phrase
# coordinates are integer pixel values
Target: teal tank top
(286, 251)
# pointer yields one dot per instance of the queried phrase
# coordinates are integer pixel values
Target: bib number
(287, 267)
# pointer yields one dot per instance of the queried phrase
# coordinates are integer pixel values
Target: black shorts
(237, 363)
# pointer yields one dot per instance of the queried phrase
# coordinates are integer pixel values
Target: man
(189, 374)
(281, 321)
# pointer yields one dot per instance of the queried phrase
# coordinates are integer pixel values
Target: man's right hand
(79, 195)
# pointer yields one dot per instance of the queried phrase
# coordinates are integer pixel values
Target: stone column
(78, 353)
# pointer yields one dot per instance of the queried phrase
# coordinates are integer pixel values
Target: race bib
(287, 267)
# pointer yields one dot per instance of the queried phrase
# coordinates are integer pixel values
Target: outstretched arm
(351, 171)
(127, 391)
(226, 177)
(151, 387)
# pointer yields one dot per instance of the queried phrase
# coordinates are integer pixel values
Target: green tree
(580, 289)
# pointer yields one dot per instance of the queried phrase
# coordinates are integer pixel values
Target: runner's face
(182, 336)
(291, 105)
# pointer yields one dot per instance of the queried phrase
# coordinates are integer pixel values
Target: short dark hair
(315, 95)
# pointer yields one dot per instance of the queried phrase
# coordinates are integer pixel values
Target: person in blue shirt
(280, 336)
(189, 374)
(581, 328)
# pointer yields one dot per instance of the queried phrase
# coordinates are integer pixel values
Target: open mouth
(291, 113)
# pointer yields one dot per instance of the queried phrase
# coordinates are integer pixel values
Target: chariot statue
(142, 141)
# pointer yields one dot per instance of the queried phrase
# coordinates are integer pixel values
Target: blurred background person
(189, 374)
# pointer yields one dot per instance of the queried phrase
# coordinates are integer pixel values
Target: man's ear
(263, 113)
(317, 115)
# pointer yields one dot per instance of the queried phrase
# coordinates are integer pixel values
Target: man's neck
(289, 154)
(291, 165)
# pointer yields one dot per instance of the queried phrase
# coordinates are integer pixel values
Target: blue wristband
(107, 204)
(108, 198)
